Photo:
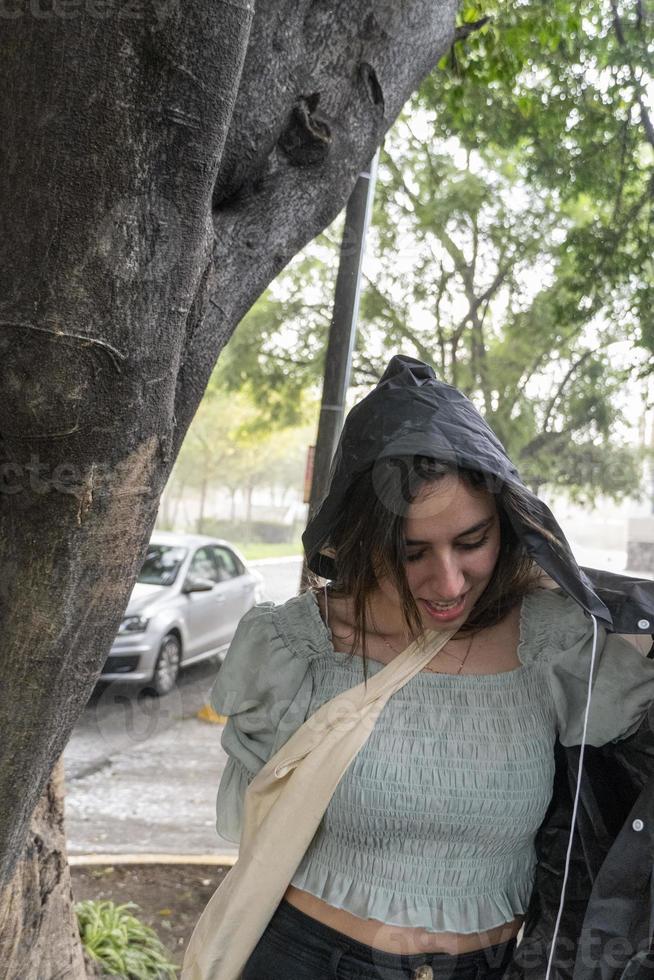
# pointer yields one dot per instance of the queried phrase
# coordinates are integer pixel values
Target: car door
(236, 591)
(246, 580)
(202, 610)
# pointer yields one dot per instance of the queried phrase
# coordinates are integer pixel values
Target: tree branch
(485, 297)
(448, 243)
(400, 323)
(645, 118)
(366, 367)
(574, 367)
(442, 287)
(623, 169)
(465, 30)
(390, 311)
(541, 440)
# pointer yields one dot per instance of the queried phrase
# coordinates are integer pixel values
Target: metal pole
(342, 333)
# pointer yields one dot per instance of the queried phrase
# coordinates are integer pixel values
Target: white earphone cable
(576, 800)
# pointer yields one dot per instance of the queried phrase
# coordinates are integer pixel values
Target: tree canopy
(512, 241)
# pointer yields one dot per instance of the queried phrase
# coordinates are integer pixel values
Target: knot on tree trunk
(307, 138)
(371, 82)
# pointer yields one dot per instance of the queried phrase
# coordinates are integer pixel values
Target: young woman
(423, 865)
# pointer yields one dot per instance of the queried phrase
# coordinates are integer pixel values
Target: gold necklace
(448, 654)
(432, 670)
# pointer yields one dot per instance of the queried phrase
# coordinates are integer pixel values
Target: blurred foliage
(231, 445)
(567, 85)
(511, 245)
(277, 352)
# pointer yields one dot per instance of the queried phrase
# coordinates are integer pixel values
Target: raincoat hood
(410, 412)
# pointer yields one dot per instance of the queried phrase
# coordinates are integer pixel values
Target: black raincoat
(606, 929)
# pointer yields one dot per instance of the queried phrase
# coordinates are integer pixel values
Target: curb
(82, 860)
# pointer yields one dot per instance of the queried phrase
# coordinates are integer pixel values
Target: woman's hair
(368, 542)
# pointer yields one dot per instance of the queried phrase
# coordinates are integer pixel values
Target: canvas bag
(283, 807)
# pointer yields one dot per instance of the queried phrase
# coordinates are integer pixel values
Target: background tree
(161, 164)
(277, 354)
(208, 453)
(512, 239)
(232, 445)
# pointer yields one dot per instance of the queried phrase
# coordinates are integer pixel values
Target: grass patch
(260, 549)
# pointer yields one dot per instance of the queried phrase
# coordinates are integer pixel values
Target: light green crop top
(433, 823)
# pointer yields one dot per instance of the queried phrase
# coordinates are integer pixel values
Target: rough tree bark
(161, 163)
(38, 899)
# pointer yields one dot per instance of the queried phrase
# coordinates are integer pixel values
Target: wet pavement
(142, 773)
(157, 797)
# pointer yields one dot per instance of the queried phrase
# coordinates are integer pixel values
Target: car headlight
(259, 592)
(133, 624)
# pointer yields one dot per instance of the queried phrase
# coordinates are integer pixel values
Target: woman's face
(452, 536)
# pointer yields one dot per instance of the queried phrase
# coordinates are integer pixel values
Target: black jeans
(295, 946)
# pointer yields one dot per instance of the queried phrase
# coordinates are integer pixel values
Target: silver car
(186, 603)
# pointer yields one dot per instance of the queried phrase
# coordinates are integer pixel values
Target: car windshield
(161, 564)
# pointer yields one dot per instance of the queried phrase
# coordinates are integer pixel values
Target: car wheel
(166, 668)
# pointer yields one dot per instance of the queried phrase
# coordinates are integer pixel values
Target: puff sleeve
(623, 678)
(264, 688)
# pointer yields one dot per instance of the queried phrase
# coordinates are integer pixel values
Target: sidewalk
(158, 798)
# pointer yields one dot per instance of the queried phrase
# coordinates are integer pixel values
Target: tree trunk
(249, 490)
(159, 168)
(167, 508)
(199, 524)
(175, 509)
(38, 927)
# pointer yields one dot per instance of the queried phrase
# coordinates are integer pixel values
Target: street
(142, 772)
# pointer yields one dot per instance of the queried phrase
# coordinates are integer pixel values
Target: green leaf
(121, 943)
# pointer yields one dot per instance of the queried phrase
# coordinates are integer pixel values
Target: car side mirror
(197, 585)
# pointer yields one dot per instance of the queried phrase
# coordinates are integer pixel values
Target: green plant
(122, 944)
